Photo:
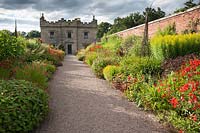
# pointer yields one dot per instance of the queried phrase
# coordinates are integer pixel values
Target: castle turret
(42, 17)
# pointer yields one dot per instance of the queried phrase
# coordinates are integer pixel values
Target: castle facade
(72, 35)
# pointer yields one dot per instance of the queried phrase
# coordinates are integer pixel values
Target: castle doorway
(69, 49)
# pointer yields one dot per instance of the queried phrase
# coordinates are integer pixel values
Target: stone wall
(182, 21)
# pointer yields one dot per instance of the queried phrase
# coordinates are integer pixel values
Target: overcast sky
(27, 12)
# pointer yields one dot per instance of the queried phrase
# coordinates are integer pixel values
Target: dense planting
(10, 47)
(22, 106)
(171, 46)
(156, 82)
(25, 67)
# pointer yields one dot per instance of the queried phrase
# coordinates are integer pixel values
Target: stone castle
(72, 35)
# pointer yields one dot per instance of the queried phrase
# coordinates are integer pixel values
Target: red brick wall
(182, 20)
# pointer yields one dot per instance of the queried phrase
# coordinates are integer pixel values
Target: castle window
(51, 33)
(86, 35)
(69, 34)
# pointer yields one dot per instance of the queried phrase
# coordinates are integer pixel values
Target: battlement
(69, 23)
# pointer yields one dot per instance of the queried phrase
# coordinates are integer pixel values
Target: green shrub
(145, 65)
(110, 71)
(22, 106)
(169, 30)
(81, 55)
(137, 88)
(90, 57)
(130, 43)
(100, 63)
(10, 46)
(4, 73)
(171, 46)
(50, 69)
(112, 42)
(35, 73)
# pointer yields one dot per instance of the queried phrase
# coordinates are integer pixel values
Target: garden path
(82, 103)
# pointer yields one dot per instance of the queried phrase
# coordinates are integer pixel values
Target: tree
(154, 14)
(103, 28)
(135, 19)
(33, 34)
(23, 33)
(188, 4)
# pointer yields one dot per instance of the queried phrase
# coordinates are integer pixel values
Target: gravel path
(81, 103)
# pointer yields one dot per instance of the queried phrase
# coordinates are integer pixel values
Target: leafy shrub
(81, 55)
(50, 69)
(4, 73)
(130, 43)
(22, 105)
(136, 89)
(34, 72)
(171, 46)
(38, 52)
(145, 65)
(10, 46)
(169, 30)
(90, 57)
(100, 63)
(110, 71)
(57, 54)
(112, 42)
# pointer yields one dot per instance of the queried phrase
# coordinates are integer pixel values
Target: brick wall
(182, 20)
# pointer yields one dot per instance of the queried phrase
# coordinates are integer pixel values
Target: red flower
(174, 102)
(129, 78)
(184, 88)
(181, 131)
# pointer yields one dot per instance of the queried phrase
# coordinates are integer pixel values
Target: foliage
(135, 19)
(10, 46)
(34, 72)
(110, 71)
(154, 14)
(22, 105)
(144, 65)
(90, 57)
(38, 52)
(81, 55)
(103, 28)
(130, 43)
(112, 42)
(188, 4)
(100, 63)
(136, 87)
(171, 46)
(169, 30)
(57, 54)
(4, 73)
(170, 65)
(33, 34)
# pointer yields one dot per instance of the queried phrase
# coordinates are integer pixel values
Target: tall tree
(103, 28)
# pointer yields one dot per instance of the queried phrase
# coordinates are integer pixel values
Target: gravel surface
(82, 103)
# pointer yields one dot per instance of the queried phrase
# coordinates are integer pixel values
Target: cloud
(28, 12)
